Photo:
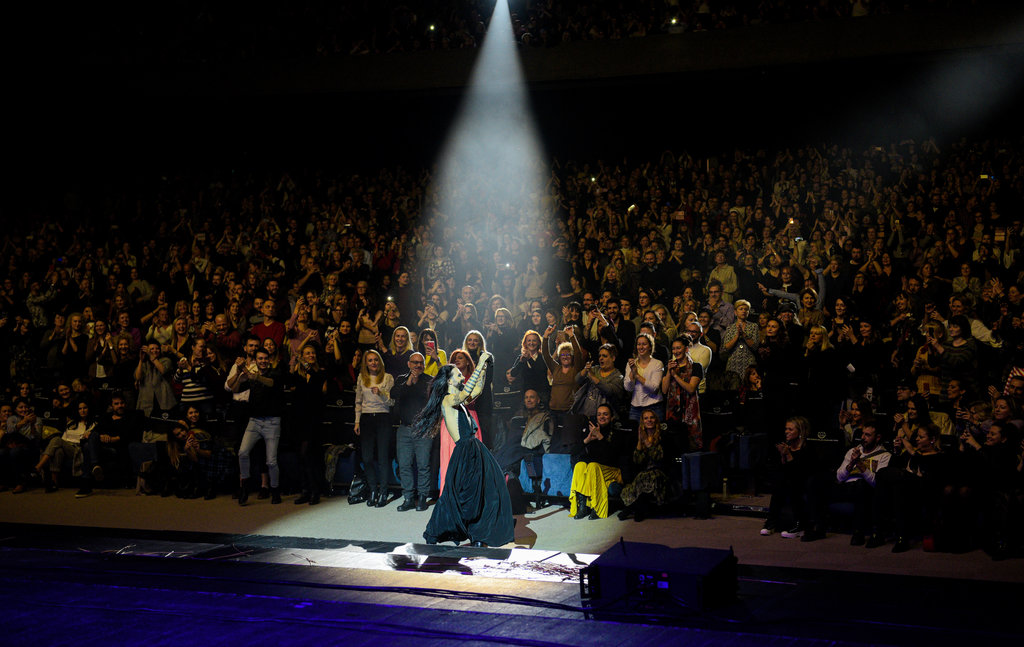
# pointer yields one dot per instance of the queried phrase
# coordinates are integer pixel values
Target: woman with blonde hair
(474, 344)
(823, 379)
(529, 370)
(373, 424)
(650, 484)
(740, 342)
(180, 345)
(817, 340)
(668, 323)
(562, 369)
(397, 353)
(794, 469)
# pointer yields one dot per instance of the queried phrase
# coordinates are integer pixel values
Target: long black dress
(475, 504)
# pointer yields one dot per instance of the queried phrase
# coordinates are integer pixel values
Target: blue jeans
(92, 454)
(269, 429)
(636, 413)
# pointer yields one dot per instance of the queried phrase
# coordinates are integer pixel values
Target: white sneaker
(794, 532)
(767, 530)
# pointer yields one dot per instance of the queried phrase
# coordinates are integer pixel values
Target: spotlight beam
(490, 178)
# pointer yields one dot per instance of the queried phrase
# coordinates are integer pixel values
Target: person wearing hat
(787, 315)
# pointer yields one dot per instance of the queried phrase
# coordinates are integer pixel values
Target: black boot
(421, 504)
(275, 495)
(243, 492)
(384, 496)
(408, 504)
(374, 499)
(537, 493)
(582, 509)
(640, 510)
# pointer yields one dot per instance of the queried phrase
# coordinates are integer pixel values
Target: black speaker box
(633, 577)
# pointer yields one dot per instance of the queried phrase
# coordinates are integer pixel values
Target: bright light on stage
(490, 173)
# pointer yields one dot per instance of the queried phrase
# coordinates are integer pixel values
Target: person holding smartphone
(563, 368)
(434, 358)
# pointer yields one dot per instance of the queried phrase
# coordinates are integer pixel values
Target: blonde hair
(483, 342)
(650, 339)
(408, 341)
(508, 316)
(565, 346)
(184, 320)
(364, 371)
(527, 334)
(656, 435)
(67, 321)
(938, 331)
(825, 343)
(803, 426)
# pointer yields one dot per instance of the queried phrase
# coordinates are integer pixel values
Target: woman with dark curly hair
(475, 505)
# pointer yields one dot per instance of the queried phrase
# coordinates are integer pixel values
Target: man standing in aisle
(410, 394)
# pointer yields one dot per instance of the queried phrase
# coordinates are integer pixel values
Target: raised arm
(545, 349)
(474, 385)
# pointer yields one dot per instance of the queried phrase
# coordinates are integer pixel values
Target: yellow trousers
(592, 481)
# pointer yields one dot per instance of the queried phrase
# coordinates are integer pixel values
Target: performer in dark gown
(475, 504)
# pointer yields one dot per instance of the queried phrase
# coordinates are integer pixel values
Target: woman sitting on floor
(651, 484)
(598, 467)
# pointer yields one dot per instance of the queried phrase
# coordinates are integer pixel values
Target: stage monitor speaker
(638, 578)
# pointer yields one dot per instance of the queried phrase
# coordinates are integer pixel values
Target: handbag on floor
(358, 491)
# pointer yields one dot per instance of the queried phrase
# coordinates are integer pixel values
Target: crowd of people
(842, 302)
(213, 34)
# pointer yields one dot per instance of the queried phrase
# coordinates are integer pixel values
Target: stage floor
(549, 529)
(128, 569)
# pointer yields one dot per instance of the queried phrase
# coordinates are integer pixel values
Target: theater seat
(556, 478)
